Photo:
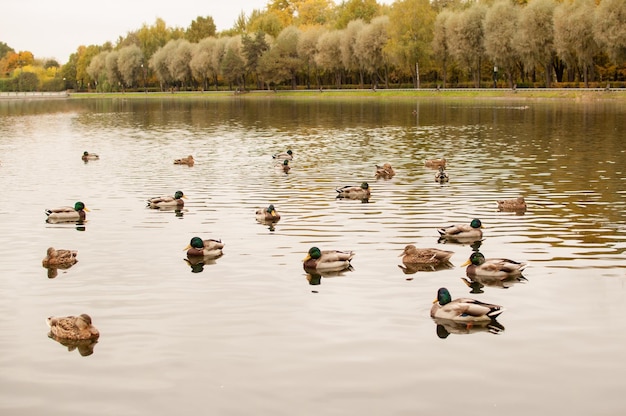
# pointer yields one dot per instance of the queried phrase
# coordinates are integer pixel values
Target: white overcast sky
(55, 28)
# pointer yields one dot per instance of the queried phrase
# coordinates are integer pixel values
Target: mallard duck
(72, 327)
(89, 156)
(414, 255)
(288, 155)
(185, 161)
(206, 248)
(471, 231)
(354, 192)
(283, 166)
(168, 201)
(463, 309)
(268, 214)
(435, 163)
(67, 214)
(441, 175)
(327, 260)
(59, 258)
(516, 204)
(385, 171)
(501, 269)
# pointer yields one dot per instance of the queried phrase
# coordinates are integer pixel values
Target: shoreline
(572, 94)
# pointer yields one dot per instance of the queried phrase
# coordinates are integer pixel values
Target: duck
(168, 201)
(67, 214)
(435, 163)
(515, 204)
(463, 309)
(471, 231)
(268, 214)
(385, 171)
(206, 248)
(354, 192)
(441, 175)
(89, 156)
(414, 255)
(185, 161)
(327, 260)
(59, 258)
(72, 327)
(496, 268)
(283, 166)
(288, 155)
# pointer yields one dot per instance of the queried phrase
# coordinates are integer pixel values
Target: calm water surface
(248, 333)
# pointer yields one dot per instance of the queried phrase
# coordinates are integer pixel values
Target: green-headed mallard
(516, 204)
(385, 171)
(72, 327)
(414, 255)
(268, 214)
(441, 175)
(354, 192)
(502, 269)
(67, 214)
(89, 156)
(435, 163)
(198, 247)
(463, 309)
(185, 161)
(59, 258)
(288, 155)
(327, 260)
(471, 231)
(168, 201)
(283, 166)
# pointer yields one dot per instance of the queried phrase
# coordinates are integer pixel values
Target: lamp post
(143, 72)
(495, 76)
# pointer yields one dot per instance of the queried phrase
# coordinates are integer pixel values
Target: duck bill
(308, 257)
(273, 213)
(85, 209)
(467, 263)
(187, 248)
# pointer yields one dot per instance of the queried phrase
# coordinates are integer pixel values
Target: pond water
(251, 332)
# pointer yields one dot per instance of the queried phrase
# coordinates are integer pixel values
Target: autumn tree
(466, 38)
(440, 42)
(129, 63)
(370, 49)
(313, 13)
(411, 34)
(534, 39)
(97, 69)
(329, 54)
(178, 59)
(307, 49)
(200, 28)
(356, 9)
(200, 63)
(352, 62)
(113, 74)
(253, 48)
(610, 28)
(500, 30)
(233, 65)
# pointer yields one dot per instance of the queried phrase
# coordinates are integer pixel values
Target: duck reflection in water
(58, 259)
(197, 263)
(445, 327)
(85, 347)
(314, 276)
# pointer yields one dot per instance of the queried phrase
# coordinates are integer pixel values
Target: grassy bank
(519, 94)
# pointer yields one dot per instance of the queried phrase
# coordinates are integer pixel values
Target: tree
(4, 49)
(233, 65)
(266, 22)
(27, 81)
(329, 54)
(573, 35)
(252, 49)
(466, 38)
(307, 49)
(500, 29)
(84, 56)
(112, 70)
(129, 64)
(202, 27)
(282, 61)
(411, 34)
(178, 60)
(356, 9)
(610, 28)
(352, 61)
(313, 13)
(535, 36)
(97, 69)
(200, 63)
(440, 42)
(370, 48)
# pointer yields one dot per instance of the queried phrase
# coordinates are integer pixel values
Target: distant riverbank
(576, 94)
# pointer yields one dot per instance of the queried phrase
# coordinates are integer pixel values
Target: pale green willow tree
(465, 38)
(112, 70)
(351, 61)
(329, 54)
(370, 49)
(573, 35)
(178, 60)
(610, 28)
(307, 49)
(97, 69)
(200, 63)
(282, 61)
(129, 63)
(535, 36)
(500, 28)
(233, 63)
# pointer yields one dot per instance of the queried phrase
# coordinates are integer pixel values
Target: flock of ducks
(460, 311)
